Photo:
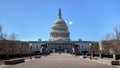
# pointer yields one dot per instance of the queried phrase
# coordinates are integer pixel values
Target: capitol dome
(59, 30)
(59, 24)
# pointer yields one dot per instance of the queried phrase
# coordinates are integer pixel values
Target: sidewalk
(3, 65)
(56, 60)
(106, 61)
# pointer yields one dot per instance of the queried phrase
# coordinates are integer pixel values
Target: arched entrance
(76, 49)
(44, 49)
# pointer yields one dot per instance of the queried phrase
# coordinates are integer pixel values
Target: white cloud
(70, 22)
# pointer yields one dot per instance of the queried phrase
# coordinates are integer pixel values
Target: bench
(115, 62)
(14, 61)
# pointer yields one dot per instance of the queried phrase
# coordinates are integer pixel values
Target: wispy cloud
(69, 22)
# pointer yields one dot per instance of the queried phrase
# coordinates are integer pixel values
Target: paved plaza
(59, 61)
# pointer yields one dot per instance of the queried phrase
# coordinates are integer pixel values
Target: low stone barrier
(95, 58)
(14, 61)
(84, 56)
(115, 62)
(38, 56)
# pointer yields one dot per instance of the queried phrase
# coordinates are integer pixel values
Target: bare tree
(108, 36)
(112, 41)
(117, 32)
(0, 28)
(13, 36)
(13, 39)
(1, 32)
(3, 35)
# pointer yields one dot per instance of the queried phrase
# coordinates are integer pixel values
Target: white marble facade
(64, 47)
(84, 46)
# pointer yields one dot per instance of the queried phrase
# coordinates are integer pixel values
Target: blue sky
(32, 19)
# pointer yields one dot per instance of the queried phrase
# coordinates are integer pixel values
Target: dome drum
(54, 34)
(59, 28)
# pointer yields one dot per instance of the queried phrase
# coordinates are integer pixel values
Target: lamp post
(90, 50)
(30, 47)
(59, 50)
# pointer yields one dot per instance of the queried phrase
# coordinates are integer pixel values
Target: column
(114, 56)
(100, 55)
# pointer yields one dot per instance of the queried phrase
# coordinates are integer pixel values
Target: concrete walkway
(59, 61)
(106, 61)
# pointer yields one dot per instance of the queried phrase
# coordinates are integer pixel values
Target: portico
(60, 46)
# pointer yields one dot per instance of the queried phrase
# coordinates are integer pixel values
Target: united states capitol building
(60, 40)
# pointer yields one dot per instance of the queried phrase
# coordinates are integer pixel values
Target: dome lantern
(60, 14)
